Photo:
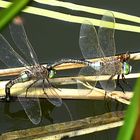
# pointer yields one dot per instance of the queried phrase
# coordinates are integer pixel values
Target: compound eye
(126, 68)
(52, 73)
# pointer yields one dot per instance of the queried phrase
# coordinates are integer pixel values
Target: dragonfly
(102, 45)
(34, 71)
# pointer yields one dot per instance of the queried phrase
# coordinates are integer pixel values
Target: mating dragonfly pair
(91, 44)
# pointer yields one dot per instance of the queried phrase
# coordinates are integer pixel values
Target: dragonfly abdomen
(96, 65)
(24, 76)
(63, 61)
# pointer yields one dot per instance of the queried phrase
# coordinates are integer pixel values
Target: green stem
(9, 13)
(127, 130)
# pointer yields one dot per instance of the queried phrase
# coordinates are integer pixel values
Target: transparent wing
(20, 38)
(9, 56)
(85, 81)
(107, 43)
(106, 34)
(109, 84)
(88, 41)
(31, 105)
(52, 93)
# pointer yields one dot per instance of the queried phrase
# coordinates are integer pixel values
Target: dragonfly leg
(125, 81)
(53, 85)
(30, 87)
(43, 87)
(119, 85)
(50, 85)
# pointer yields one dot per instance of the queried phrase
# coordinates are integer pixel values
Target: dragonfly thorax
(39, 72)
(112, 67)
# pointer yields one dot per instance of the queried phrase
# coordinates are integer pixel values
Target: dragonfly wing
(20, 38)
(88, 41)
(85, 80)
(31, 105)
(106, 38)
(109, 84)
(9, 56)
(106, 34)
(52, 93)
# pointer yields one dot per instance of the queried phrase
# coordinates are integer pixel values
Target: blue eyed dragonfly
(102, 45)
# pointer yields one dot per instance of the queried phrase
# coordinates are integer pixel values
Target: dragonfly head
(52, 72)
(126, 68)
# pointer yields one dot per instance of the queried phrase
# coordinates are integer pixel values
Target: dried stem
(69, 129)
(74, 80)
(96, 93)
(16, 71)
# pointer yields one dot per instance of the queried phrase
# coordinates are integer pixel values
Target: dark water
(53, 40)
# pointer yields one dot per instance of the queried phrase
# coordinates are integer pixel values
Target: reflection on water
(49, 111)
(14, 117)
(14, 113)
